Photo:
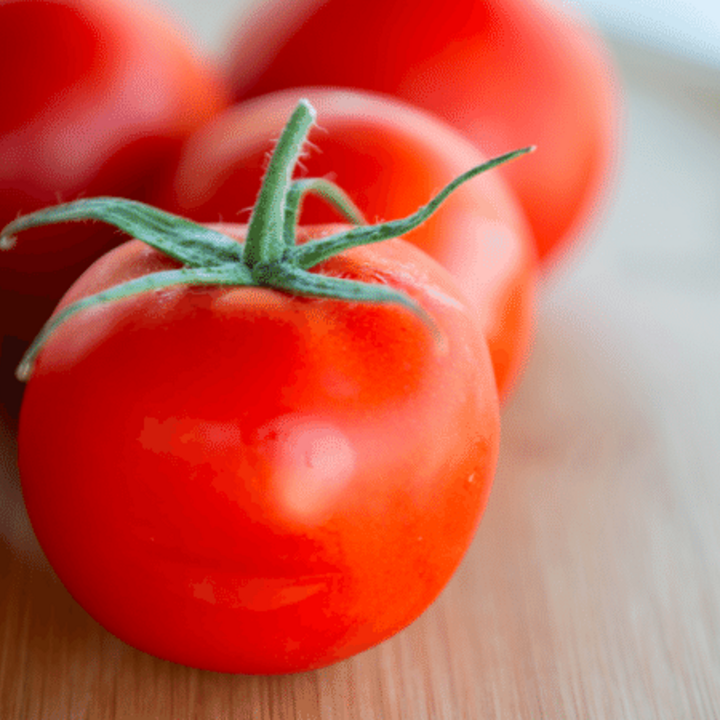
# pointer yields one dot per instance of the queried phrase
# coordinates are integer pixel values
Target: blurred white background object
(687, 27)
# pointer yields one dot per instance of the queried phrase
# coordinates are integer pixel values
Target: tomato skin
(507, 73)
(98, 96)
(390, 158)
(242, 480)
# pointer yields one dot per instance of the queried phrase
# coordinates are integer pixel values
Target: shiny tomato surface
(244, 480)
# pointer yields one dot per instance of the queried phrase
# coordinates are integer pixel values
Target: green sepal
(329, 192)
(185, 241)
(228, 274)
(310, 254)
(300, 282)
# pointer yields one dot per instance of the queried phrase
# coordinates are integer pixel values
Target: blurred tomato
(97, 97)
(390, 158)
(508, 73)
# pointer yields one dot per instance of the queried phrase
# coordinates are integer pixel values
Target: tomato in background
(97, 97)
(390, 158)
(507, 73)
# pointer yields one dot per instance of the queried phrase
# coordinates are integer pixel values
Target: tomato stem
(270, 256)
(265, 241)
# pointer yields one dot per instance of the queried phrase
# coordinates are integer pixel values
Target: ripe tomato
(242, 457)
(508, 73)
(247, 481)
(390, 157)
(97, 97)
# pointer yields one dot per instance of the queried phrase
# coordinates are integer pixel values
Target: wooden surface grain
(592, 589)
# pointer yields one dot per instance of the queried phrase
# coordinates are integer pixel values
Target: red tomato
(97, 97)
(244, 480)
(508, 73)
(390, 158)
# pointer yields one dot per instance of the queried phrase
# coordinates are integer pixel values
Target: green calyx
(269, 257)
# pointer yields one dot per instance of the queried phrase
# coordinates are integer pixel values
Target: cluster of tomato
(239, 449)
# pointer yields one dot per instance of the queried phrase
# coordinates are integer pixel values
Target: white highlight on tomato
(315, 461)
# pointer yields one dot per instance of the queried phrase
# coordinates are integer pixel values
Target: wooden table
(592, 589)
